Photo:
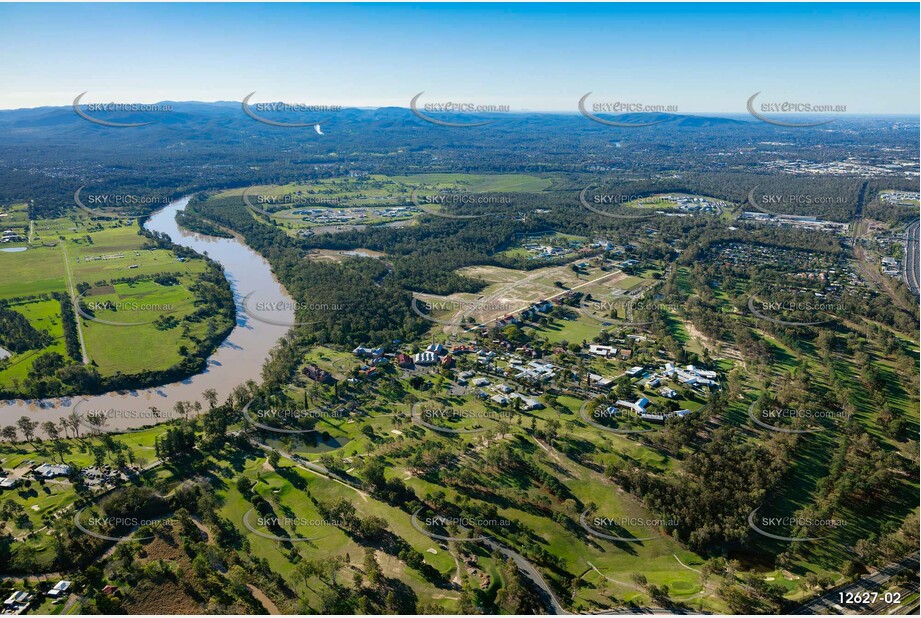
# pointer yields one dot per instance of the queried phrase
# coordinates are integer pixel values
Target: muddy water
(239, 357)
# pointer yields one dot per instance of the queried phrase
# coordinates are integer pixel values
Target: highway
(910, 263)
(829, 603)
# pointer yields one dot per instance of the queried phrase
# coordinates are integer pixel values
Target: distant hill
(681, 120)
(188, 114)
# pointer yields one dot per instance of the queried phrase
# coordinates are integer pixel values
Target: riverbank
(238, 358)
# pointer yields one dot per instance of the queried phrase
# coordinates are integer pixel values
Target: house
(639, 406)
(60, 588)
(499, 399)
(17, 602)
(541, 367)
(6, 483)
(447, 362)
(527, 403)
(653, 382)
(682, 413)
(691, 375)
(462, 349)
(49, 471)
(537, 374)
(10, 236)
(633, 371)
(700, 372)
(668, 392)
(318, 375)
(404, 360)
(481, 382)
(364, 352)
(599, 381)
(602, 350)
(368, 372)
(437, 348)
(109, 589)
(503, 388)
(425, 358)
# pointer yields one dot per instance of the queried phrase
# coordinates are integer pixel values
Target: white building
(601, 350)
(527, 403)
(600, 381)
(49, 471)
(638, 406)
(425, 358)
(60, 588)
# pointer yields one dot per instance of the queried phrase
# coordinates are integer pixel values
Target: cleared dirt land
(510, 291)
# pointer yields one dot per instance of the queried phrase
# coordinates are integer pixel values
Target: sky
(538, 57)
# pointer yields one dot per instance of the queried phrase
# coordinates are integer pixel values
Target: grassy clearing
(43, 315)
(97, 253)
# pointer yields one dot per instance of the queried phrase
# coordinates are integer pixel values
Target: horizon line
(485, 113)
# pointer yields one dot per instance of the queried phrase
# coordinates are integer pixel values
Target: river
(238, 359)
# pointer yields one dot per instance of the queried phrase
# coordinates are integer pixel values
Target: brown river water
(238, 359)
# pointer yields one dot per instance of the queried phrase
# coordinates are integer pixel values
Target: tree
(64, 426)
(97, 420)
(274, 458)
(9, 433)
(210, 395)
(306, 569)
(74, 420)
(51, 430)
(27, 427)
(372, 569)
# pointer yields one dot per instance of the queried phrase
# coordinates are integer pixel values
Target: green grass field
(370, 192)
(114, 348)
(73, 250)
(43, 315)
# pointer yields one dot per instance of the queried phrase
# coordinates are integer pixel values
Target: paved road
(829, 603)
(881, 606)
(530, 571)
(910, 262)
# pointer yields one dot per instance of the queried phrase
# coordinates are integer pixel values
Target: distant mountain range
(186, 112)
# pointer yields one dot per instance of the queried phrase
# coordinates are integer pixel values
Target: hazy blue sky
(700, 57)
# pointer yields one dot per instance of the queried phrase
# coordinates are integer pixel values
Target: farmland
(132, 294)
(334, 205)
